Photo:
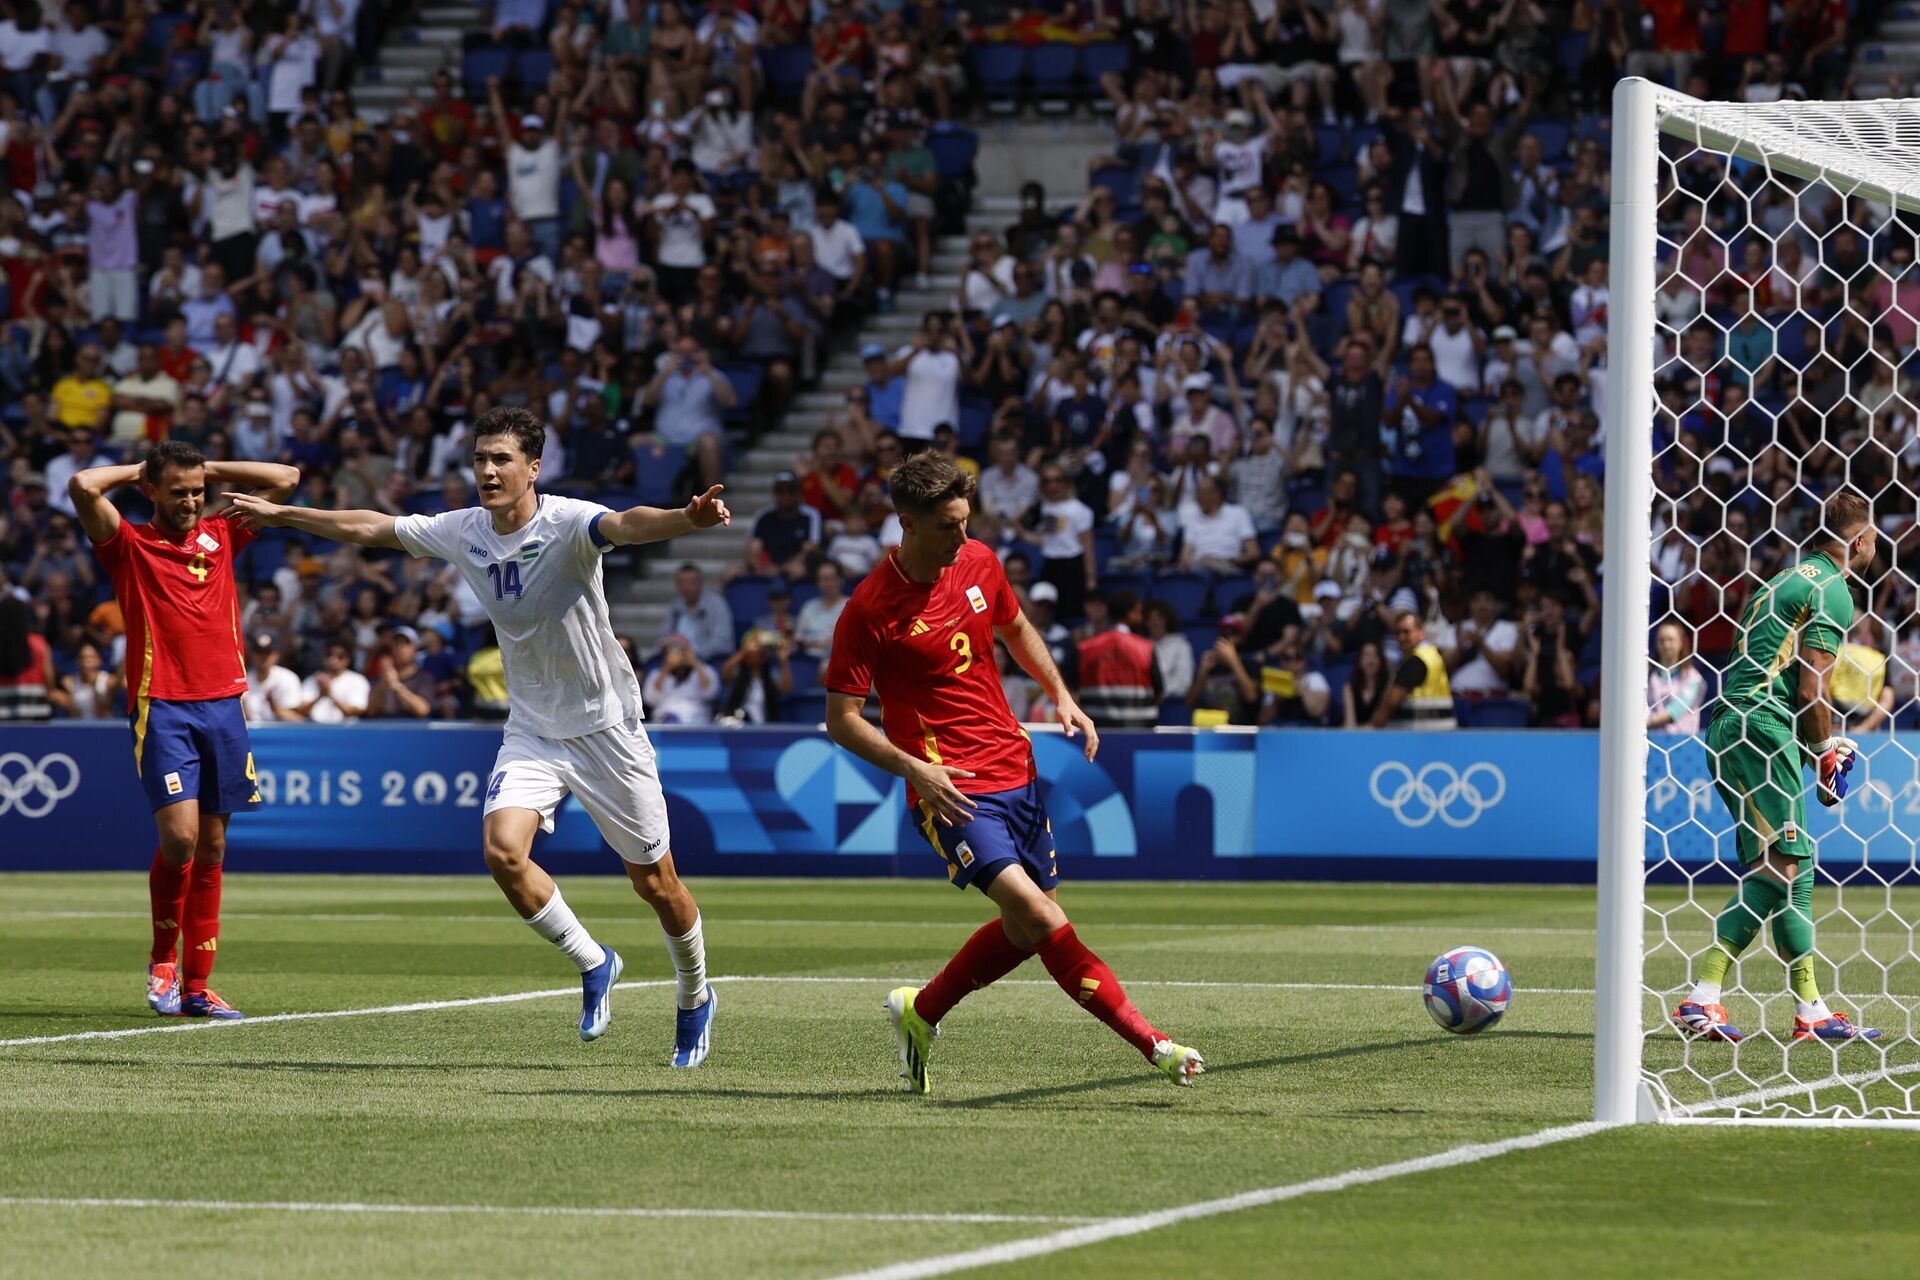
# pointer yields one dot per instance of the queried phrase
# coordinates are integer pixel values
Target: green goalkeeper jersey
(1807, 606)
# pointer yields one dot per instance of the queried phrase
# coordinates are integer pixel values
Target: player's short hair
(1843, 516)
(528, 432)
(172, 453)
(927, 481)
(1121, 603)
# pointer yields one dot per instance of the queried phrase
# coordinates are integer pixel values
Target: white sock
(1705, 993)
(1815, 1012)
(557, 924)
(689, 953)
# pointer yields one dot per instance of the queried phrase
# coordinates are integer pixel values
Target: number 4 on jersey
(505, 578)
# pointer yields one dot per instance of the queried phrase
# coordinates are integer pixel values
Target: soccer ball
(1467, 990)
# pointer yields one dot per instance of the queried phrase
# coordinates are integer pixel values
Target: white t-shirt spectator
(680, 219)
(266, 697)
(687, 700)
(233, 365)
(932, 395)
(533, 181)
(1454, 358)
(1220, 535)
(291, 72)
(77, 49)
(345, 698)
(229, 203)
(813, 627)
(1061, 524)
(855, 553)
(1477, 675)
(1009, 496)
(835, 247)
(19, 48)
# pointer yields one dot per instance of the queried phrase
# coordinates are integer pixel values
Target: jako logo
(34, 788)
(1437, 791)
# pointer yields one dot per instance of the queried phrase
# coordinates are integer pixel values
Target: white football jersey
(542, 587)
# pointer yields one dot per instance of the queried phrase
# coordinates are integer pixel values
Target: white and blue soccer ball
(1467, 990)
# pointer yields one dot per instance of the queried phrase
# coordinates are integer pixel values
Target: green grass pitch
(797, 1131)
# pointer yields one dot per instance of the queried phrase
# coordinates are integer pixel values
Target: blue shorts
(194, 751)
(1006, 827)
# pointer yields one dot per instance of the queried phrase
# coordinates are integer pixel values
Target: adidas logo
(919, 628)
(213, 944)
(166, 924)
(1087, 987)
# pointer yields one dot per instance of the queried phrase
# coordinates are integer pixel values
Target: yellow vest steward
(1431, 702)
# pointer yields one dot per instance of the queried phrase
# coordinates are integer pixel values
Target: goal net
(1763, 312)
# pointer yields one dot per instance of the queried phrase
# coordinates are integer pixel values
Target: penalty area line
(1117, 1228)
(524, 1210)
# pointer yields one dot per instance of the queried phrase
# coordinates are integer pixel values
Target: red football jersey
(183, 615)
(927, 650)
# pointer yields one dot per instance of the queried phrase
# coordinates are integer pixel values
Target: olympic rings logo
(1437, 790)
(35, 788)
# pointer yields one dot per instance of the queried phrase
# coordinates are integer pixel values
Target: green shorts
(1760, 773)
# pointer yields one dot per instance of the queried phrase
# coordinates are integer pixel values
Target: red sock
(167, 892)
(202, 927)
(1085, 976)
(988, 956)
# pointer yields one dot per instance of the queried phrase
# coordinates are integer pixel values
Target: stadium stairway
(1893, 48)
(1011, 153)
(412, 53)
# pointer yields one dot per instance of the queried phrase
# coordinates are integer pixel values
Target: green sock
(1756, 898)
(1793, 939)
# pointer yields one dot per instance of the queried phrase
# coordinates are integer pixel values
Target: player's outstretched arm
(366, 528)
(933, 783)
(637, 525)
(89, 490)
(271, 480)
(1029, 649)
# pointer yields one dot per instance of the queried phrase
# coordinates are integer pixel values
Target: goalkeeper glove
(1834, 760)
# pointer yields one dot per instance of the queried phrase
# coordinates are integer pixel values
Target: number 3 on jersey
(962, 646)
(505, 578)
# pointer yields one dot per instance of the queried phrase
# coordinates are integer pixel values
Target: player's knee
(504, 859)
(212, 848)
(654, 882)
(176, 850)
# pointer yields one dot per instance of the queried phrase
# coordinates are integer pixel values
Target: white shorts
(612, 772)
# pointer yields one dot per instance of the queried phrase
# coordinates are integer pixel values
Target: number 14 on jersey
(506, 578)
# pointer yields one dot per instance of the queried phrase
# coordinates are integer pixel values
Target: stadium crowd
(1292, 414)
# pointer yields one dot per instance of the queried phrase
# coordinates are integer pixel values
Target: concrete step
(403, 76)
(430, 56)
(467, 16)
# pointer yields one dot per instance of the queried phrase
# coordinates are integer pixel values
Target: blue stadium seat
(1139, 583)
(745, 379)
(1106, 542)
(1053, 67)
(1474, 408)
(803, 708)
(806, 671)
(1101, 57)
(477, 64)
(747, 599)
(997, 69)
(1228, 590)
(953, 151)
(1202, 638)
(655, 467)
(1122, 180)
(1332, 141)
(1573, 50)
(1186, 592)
(1174, 711)
(1333, 301)
(162, 26)
(1553, 135)
(1345, 181)
(787, 68)
(1492, 713)
(1339, 674)
(533, 68)
(976, 415)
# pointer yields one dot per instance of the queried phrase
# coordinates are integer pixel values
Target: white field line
(530, 1210)
(396, 917)
(1116, 1228)
(1773, 1093)
(431, 1006)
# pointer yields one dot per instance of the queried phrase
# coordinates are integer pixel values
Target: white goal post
(1694, 184)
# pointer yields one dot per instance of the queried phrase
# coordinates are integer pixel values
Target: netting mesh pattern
(1787, 307)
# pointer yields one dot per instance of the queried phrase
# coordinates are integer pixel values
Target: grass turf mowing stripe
(1176, 926)
(1115, 1228)
(431, 1006)
(529, 1210)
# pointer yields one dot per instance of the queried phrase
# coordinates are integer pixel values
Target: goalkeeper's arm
(1832, 757)
(366, 528)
